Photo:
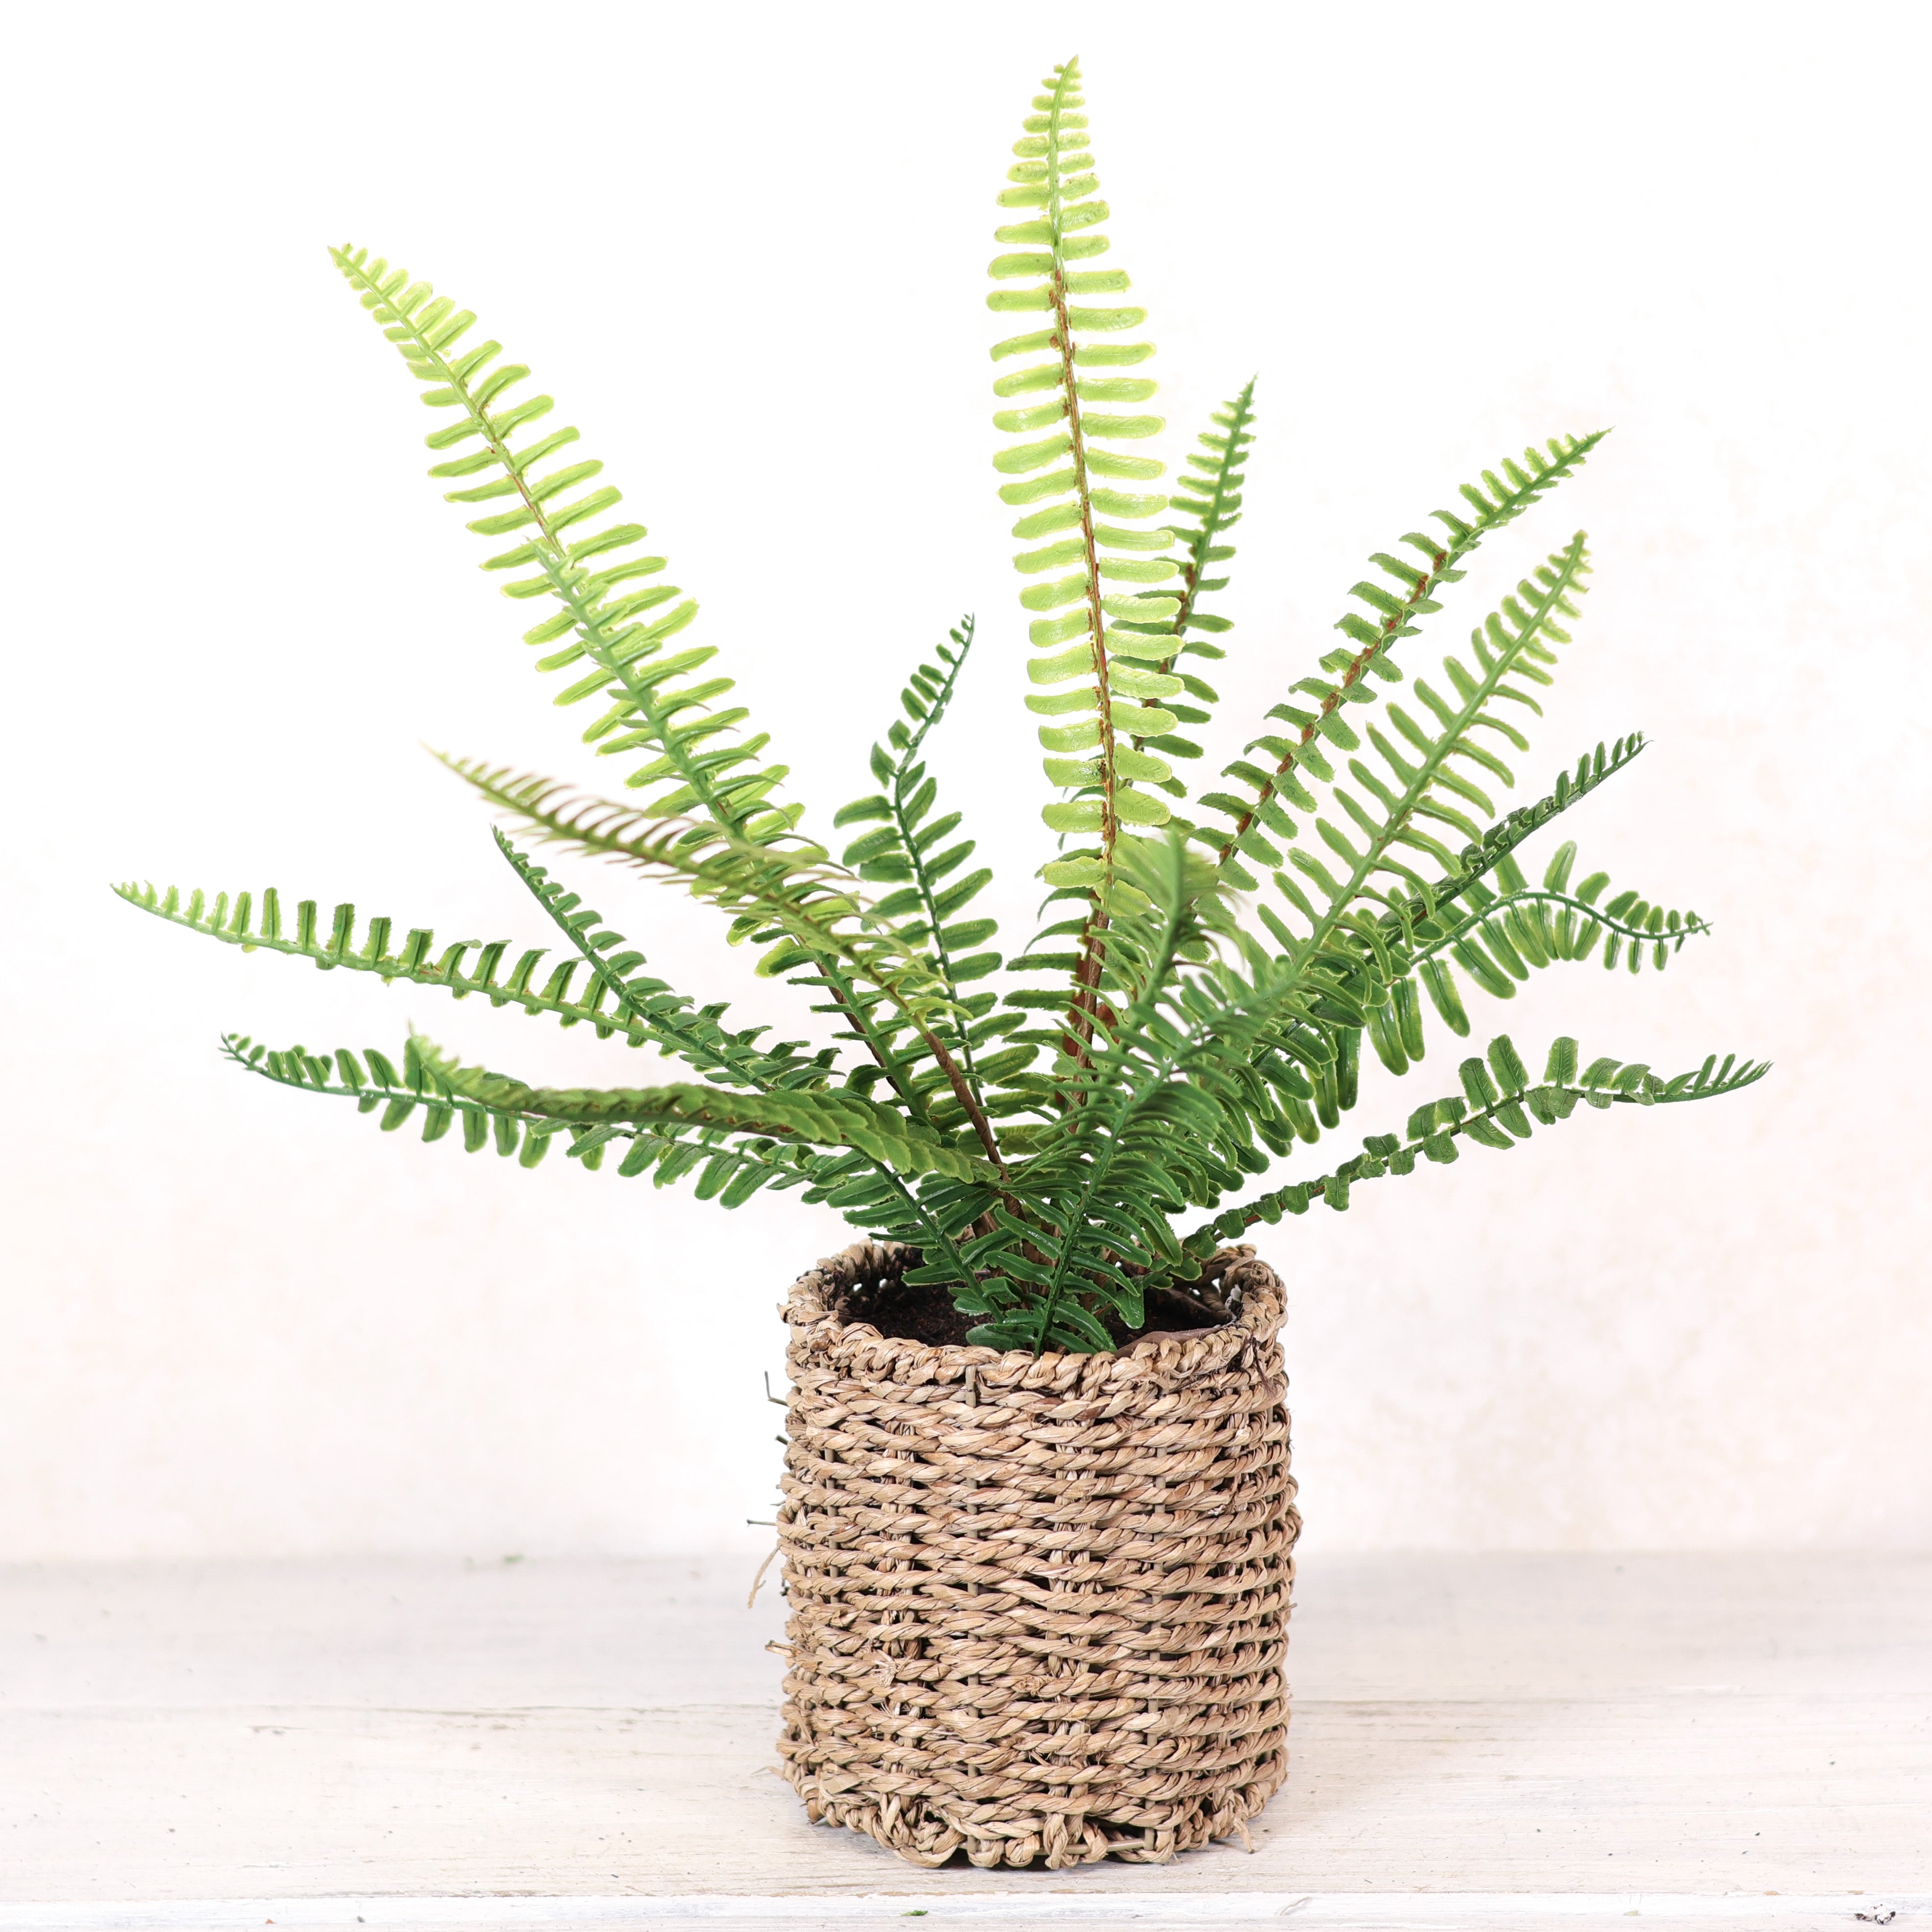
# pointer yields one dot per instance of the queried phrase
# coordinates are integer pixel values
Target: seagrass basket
(1039, 1607)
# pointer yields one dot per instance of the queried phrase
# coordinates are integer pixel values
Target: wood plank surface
(1720, 1728)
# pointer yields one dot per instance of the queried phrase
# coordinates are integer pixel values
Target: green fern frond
(1207, 504)
(1477, 860)
(788, 896)
(910, 849)
(606, 616)
(1148, 1129)
(1390, 616)
(792, 894)
(1427, 775)
(604, 989)
(823, 1117)
(916, 853)
(501, 975)
(1502, 935)
(1495, 1109)
(667, 1018)
(1095, 566)
(729, 1171)
(447, 1089)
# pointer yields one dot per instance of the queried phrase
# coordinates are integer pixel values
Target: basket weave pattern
(1039, 1607)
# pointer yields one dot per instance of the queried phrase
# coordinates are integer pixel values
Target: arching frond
(1499, 937)
(1426, 774)
(497, 971)
(669, 1018)
(604, 987)
(434, 1080)
(910, 848)
(1495, 1109)
(785, 895)
(608, 622)
(791, 894)
(1346, 674)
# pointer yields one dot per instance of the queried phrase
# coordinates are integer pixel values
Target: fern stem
(967, 1098)
(1085, 997)
(846, 997)
(1334, 701)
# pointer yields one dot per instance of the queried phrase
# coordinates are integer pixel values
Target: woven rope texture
(1039, 1607)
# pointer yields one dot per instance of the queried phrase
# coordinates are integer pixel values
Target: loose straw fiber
(1039, 1606)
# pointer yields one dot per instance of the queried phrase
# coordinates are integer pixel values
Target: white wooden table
(1506, 1741)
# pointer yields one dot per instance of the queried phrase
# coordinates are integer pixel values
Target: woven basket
(1039, 1607)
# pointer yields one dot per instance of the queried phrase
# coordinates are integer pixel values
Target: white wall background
(744, 246)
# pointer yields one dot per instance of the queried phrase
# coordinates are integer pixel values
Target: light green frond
(607, 622)
(1104, 592)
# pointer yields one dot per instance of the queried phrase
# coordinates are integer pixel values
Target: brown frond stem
(1087, 974)
(1358, 665)
(963, 1093)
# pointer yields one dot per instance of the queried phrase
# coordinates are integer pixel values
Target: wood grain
(1709, 1728)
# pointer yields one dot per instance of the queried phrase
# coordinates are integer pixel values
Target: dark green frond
(499, 971)
(667, 1018)
(1499, 936)
(434, 1081)
(1392, 609)
(1495, 1109)
(910, 847)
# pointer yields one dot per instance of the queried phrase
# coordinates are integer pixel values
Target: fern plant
(1057, 1134)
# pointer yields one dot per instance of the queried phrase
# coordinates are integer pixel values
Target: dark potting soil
(924, 1312)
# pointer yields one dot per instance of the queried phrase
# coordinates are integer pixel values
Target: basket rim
(809, 1307)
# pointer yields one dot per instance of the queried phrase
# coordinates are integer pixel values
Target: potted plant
(1038, 1520)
